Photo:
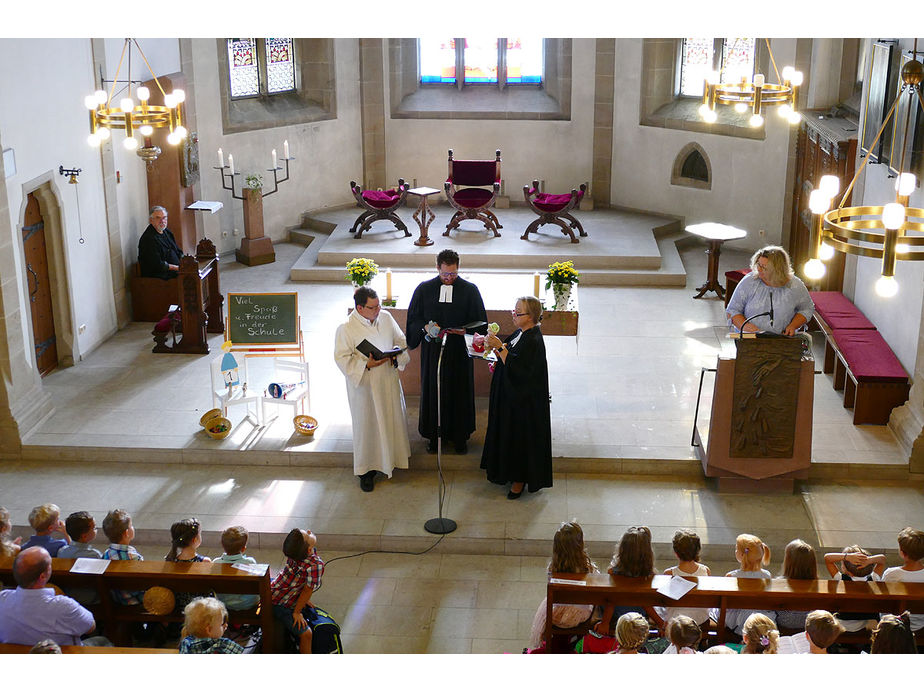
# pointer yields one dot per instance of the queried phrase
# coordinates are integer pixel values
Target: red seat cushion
(839, 312)
(382, 199)
(552, 203)
(737, 275)
(163, 325)
(868, 355)
(473, 197)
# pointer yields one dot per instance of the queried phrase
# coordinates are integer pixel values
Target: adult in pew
(518, 442)
(773, 297)
(377, 408)
(158, 253)
(443, 305)
(33, 612)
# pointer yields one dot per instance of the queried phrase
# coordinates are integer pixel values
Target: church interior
(108, 423)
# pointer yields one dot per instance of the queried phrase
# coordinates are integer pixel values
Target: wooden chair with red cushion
(554, 209)
(379, 205)
(473, 201)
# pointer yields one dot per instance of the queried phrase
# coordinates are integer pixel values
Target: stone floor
(126, 434)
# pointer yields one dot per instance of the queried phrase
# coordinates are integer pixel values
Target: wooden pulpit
(760, 431)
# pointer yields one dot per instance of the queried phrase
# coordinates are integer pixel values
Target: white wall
(327, 153)
(748, 176)
(560, 152)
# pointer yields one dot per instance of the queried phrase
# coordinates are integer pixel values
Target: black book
(366, 349)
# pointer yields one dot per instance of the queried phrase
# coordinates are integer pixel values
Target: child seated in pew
(687, 547)
(759, 635)
(293, 587)
(751, 553)
(799, 563)
(117, 526)
(8, 547)
(81, 528)
(633, 558)
(185, 538)
(568, 556)
(855, 564)
(893, 635)
(911, 550)
(45, 519)
(821, 630)
(684, 634)
(204, 625)
(234, 543)
(631, 633)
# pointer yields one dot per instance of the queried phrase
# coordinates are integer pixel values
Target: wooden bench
(834, 311)
(152, 296)
(195, 578)
(733, 593)
(8, 648)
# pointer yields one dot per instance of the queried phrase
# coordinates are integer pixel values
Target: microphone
(771, 307)
(741, 329)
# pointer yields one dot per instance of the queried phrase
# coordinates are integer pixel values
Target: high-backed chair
(554, 209)
(379, 205)
(472, 201)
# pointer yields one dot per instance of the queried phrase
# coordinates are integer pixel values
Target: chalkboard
(262, 318)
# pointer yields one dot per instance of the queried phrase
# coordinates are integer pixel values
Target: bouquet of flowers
(361, 270)
(254, 181)
(561, 273)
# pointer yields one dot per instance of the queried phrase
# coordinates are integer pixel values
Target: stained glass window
(437, 60)
(480, 61)
(480, 57)
(280, 65)
(242, 61)
(737, 59)
(699, 57)
(524, 60)
(697, 63)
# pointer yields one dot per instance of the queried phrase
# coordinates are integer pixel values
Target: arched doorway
(38, 281)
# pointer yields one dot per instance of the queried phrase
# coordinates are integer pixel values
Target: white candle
(231, 163)
(758, 80)
(285, 149)
(221, 158)
(274, 158)
(536, 285)
(388, 284)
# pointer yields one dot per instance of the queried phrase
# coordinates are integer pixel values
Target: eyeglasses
(375, 307)
(449, 274)
(519, 315)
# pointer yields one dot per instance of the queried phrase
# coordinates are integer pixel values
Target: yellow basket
(306, 425)
(208, 416)
(221, 423)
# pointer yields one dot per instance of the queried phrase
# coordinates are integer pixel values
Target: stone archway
(692, 168)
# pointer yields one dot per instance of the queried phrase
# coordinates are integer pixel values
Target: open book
(366, 349)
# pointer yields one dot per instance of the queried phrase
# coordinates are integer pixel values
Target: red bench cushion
(839, 312)
(473, 197)
(382, 199)
(737, 275)
(553, 203)
(868, 356)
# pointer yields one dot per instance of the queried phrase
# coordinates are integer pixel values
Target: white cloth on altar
(376, 398)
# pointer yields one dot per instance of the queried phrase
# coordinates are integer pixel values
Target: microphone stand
(440, 525)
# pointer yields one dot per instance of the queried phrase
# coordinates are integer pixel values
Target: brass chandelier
(140, 118)
(879, 231)
(754, 94)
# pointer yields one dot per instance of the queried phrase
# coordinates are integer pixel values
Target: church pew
(7, 648)
(180, 577)
(732, 593)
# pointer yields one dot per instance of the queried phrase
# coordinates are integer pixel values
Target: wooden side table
(716, 235)
(424, 215)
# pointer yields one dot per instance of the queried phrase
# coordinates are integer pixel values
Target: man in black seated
(158, 254)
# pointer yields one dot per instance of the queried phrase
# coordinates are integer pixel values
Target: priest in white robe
(380, 441)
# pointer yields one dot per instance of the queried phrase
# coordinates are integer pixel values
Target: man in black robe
(158, 254)
(449, 302)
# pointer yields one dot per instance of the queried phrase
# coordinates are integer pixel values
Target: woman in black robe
(518, 442)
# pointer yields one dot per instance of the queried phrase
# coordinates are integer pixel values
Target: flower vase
(562, 293)
(357, 284)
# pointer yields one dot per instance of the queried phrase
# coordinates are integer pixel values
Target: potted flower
(361, 270)
(253, 181)
(560, 277)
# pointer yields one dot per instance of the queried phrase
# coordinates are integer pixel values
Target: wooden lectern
(760, 432)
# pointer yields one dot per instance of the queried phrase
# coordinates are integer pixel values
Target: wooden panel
(39, 284)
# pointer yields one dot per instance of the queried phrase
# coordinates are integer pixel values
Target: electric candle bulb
(101, 96)
(905, 184)
(143, 93)
(90, 102)
(893, 215)
(830, 186)
(814, 269)
(710, 116)
(756, 120)
(795, 117)
(826, 252)
(103, 133)
(758, 80)
(126, 105)
(741, 107)
(130, 143)
(146, 130)
(886, 286)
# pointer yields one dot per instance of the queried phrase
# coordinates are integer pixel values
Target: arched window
(462, 61)
(731, 57)
(692, 168)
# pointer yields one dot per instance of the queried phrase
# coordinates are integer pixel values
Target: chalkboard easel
(263, 319)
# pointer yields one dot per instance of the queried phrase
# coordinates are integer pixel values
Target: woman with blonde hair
(771, 298)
